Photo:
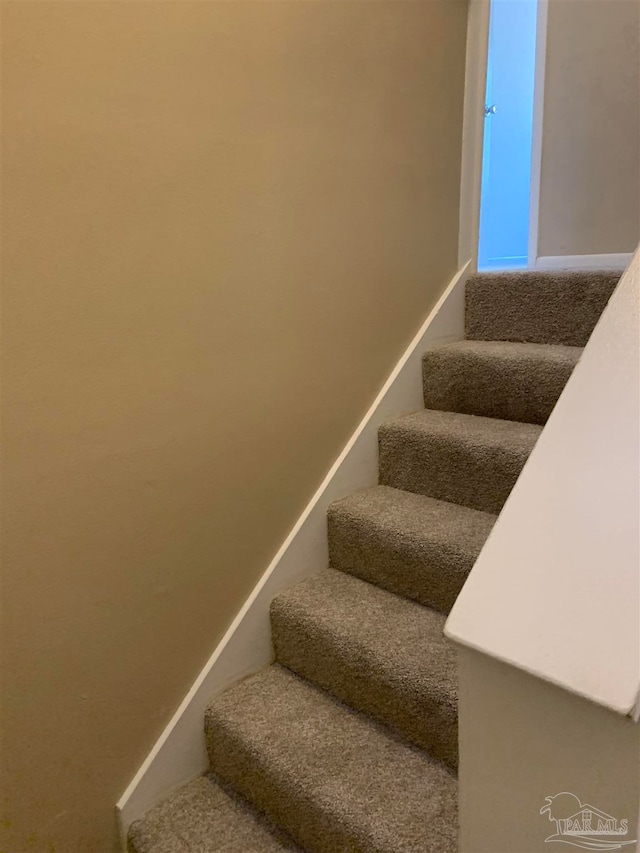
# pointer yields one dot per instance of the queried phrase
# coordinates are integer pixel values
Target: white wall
(590, 174)
(522, 740)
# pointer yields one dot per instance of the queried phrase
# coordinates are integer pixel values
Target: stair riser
(426, 572)
(526, 390)
(446, 468)
(358, 683)
(545, 309)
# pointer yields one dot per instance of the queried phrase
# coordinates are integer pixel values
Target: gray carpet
(331, 777)
(206, 817)
(497, 379)
(381, 654)
(537, 307)
(412, 545)
(463, 459)
(348, 743)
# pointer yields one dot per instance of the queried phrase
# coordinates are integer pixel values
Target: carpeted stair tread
(204, 817)
(381, 654)
(497, 379)
(413, 545)
(538, 307)
(334, 780)
(464, 459)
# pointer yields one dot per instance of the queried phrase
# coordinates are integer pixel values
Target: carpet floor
(348, 742)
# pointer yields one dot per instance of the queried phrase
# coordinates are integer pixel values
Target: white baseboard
(584, 262)
(180, 753)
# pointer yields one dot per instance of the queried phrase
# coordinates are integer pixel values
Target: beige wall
(590, 181)
(522, 740)
(223, 222)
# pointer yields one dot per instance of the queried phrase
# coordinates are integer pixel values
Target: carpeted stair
(348, 742)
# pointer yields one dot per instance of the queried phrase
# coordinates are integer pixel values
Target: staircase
(348, 742)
